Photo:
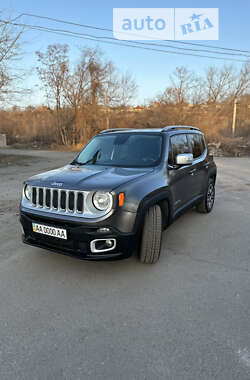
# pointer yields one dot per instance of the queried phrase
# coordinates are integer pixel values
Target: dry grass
(35, 128)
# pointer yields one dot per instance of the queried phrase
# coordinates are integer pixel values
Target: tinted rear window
(197, 144)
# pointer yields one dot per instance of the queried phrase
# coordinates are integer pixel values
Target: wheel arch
(163, 199)
(212, 174)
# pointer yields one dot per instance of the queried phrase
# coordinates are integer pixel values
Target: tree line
(84, 98)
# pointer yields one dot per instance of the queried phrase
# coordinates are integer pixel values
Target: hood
(87, 177)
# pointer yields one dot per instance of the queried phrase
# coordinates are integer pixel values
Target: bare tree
(52, 70)
(197, 95)
(117, 90)
(109, 93)
(9, 51)
(110, 86)
(127, 89)
(183, 83)
(242, 82)
(77, 83)
(85, 94)
(96, 86)
(91, 82)
(219, 83)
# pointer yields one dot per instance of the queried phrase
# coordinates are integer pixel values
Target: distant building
(138, 108)
(3, 141)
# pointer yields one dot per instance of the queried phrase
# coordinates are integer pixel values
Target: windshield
(122, 149)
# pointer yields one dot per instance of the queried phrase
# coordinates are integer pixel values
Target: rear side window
(178, 145)
(197, 144)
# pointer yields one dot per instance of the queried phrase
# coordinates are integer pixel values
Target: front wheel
(207, 204)
(151, 236)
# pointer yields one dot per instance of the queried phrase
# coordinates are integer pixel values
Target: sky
(150, 69)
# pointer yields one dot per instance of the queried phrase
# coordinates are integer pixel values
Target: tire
(151, 236)
(207, 204)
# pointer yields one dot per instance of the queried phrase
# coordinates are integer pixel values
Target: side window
(179, 145)
(197, 144)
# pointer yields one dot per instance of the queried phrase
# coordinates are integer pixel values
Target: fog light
(109, 243)
(102, 245)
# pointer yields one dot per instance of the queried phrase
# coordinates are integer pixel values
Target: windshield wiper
(91, 160)
(75, 162)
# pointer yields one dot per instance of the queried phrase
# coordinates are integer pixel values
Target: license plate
(59, 233)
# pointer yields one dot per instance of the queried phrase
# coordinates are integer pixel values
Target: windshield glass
(123, 149)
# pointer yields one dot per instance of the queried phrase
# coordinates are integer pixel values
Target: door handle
(192, 171)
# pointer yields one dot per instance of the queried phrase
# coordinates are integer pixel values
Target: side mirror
(184, 159)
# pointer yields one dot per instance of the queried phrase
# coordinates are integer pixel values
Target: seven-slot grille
(58, 199)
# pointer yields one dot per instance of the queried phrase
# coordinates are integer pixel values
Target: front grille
(71, 202)
(63, 200)
(58, 199)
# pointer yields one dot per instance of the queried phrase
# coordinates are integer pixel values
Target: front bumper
(80, 235)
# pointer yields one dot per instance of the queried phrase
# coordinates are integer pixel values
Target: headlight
(102, 200)
(27, 192)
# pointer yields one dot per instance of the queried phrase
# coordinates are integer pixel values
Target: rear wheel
(151, 236)
(208, 202)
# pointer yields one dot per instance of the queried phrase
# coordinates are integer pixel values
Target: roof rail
(173, 127)
(115, 130)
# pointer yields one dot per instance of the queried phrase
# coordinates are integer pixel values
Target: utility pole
(107, 119)
(234, 116)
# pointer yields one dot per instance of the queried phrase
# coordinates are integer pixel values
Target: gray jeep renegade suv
(120, 192)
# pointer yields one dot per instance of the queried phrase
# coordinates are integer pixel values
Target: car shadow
(174, 241)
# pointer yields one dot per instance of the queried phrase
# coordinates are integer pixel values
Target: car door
(180, 180)
(198, 167)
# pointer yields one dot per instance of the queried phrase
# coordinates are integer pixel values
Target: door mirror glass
(184, 159)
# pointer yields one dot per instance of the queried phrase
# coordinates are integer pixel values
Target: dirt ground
(187, 317)
(10, 159)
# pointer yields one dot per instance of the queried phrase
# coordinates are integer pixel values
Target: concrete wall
(3, 142)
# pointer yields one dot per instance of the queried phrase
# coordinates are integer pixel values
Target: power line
(141, 43)
(110, 30)
(152, 44)
(114, 41)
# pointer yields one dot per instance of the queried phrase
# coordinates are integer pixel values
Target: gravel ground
(187, 317)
